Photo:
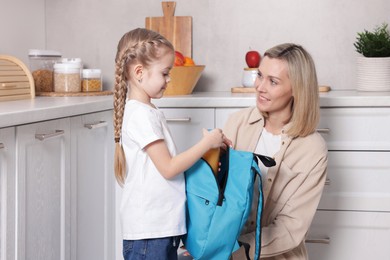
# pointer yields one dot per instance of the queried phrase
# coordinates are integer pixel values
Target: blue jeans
(151, 249)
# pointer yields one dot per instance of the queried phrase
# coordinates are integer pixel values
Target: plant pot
(373, 74)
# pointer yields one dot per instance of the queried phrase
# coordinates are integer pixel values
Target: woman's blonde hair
(303, 78)
(137, 46)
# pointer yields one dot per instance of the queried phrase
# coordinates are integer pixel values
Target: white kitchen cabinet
(356, 129)
(358, 181)
(92, 187)
(43, 190)
(57, 196)
(186, 125)
(353, 217)
(345, 235)
(222, 115)
(7, 193)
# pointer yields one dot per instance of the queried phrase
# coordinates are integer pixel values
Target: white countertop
(227, 99)
(25, 111)
(45, 108)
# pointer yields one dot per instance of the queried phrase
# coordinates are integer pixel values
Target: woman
(283, 126)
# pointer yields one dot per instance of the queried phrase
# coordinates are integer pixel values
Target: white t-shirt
(151, 205)
(268, 145)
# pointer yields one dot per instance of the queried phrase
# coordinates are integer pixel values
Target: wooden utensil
(177, 29)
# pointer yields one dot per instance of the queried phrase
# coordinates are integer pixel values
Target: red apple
(252, 59)
(179, 59)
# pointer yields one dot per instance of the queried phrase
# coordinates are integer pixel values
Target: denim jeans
(151, 249)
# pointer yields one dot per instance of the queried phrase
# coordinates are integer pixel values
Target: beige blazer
(292, 189)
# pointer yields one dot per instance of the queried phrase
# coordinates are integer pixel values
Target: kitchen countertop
(26, 111)
(227, 99)
(45, 108)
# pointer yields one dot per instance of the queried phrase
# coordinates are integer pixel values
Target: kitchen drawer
(222, 115)
(186, 124)
(356, 128)
(357, 181)
(345, 235)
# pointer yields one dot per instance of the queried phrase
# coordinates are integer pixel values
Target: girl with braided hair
(146, 164)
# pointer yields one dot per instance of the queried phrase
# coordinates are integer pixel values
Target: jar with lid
(67, 77)
(249, 76)
(92, 80)
(76, 61)
(41, 66)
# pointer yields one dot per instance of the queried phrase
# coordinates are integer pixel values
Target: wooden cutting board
(177, 29)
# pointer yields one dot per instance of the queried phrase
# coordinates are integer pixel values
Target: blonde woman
(153, 200)
(283, 126)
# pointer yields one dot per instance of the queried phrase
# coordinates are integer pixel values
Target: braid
(120, 94)
(141, 46)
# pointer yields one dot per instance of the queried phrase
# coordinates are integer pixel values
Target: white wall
(223, 31)
(22, 27)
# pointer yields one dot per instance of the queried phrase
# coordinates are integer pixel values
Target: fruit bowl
(183, 79)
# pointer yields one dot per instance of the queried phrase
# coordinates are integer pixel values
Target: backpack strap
(246, 246)
(259, 214)
(258, 217)
(266, 160)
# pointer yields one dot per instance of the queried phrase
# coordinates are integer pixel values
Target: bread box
(16, 81)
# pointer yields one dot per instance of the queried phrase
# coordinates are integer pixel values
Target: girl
(146, 164)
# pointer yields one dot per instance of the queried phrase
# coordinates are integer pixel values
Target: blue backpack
(218, 206)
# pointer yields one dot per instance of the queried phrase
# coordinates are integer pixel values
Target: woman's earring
(140, 81)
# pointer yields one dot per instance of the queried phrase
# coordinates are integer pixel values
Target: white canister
(92, 80)
(67, 77)
(249, 76)
(76, 61)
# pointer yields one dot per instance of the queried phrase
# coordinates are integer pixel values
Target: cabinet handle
(42, 137)
(2, 146)
(323, 130)
(318, 240)
(327, 182)
(96, 125)
(181, 119)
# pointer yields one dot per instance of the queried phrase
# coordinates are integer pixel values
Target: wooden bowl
(183, 79)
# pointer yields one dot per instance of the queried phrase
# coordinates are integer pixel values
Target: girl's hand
(215, 137)
(225, 141)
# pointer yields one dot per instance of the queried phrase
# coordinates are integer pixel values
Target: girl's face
(156, 75)
(273, 88)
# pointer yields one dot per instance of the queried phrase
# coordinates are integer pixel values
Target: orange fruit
(188, 61)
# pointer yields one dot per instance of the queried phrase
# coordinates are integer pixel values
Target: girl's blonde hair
(303, 78)
(137, 46)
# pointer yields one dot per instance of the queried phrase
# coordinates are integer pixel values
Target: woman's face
(273, 88)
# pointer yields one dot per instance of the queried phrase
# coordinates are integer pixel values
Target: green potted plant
(374, 44)
(373, 62)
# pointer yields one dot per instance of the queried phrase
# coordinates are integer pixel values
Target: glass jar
(92, 80)
(67, 77)
(249, 77)
(41, 66)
